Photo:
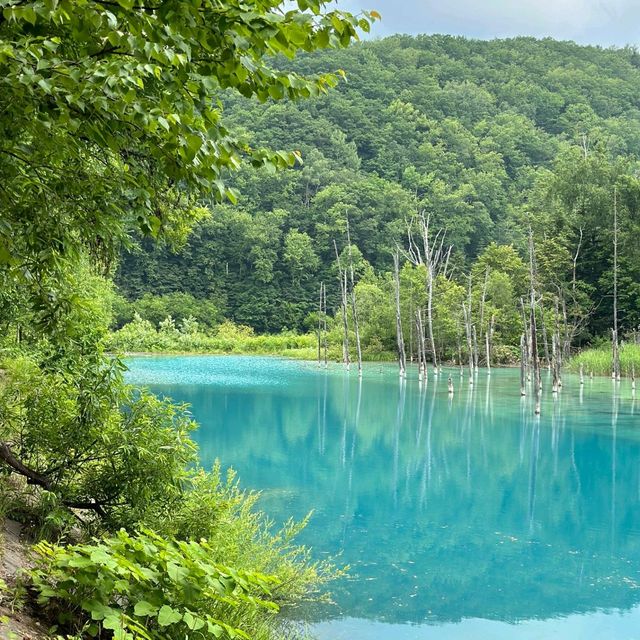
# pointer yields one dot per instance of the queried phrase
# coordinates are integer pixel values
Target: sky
(602, 22)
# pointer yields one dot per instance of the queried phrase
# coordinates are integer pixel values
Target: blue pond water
(460, 517)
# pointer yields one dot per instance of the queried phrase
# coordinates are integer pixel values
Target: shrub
(144, 586)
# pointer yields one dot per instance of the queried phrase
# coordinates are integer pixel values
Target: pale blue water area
(461, 517)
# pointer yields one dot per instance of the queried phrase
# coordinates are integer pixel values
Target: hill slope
(468, 130)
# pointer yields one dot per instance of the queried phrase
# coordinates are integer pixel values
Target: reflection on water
(460, 512)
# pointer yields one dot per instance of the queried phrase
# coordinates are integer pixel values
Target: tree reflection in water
(445, 507)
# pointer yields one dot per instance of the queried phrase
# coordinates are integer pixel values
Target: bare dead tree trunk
(488, 338)
(535, 360)
(616, 351)
(472, 328)
(422, 346)
(320, 324)
(324, 324)
(527, 337)
(432, 342)
(354, 306)
(346, 355)
(467, 325)
(344, 306)
(412, 315)
(402, 358)
(554, 364)
(418, 351)
(545, 342)
(432, 255)
(483, 298)
(571, 328)
(475, 347)
(523, 365)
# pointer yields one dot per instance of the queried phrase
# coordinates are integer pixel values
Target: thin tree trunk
(554, 363)
(344, 306)
(475, 347)
(430, 259)
(535, 360)
(324, 325)
(354, 306)
(616, 351)
(422, 347)
(523, 365)
(320, 324)
(488, 337)
(545, 342)
(527, 337)
(402, 358)
(467, 325)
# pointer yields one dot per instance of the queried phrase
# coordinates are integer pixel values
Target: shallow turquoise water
(460, 517)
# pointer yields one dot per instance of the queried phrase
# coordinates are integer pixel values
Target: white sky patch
(603, 22)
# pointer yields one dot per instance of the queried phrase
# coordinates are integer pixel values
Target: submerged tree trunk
(345, 322)
(535, 360)
(402, 358)
(488, 338)
(475, 347)
(523, 365)
(354, 306)
(554, 363)
(545, 342)
(616, 351)
(324, 325)
(422, 345)
(467, 325)
(527, 339)
(431, 254)
(320, 324)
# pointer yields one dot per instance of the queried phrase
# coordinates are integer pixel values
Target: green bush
(186, 337)
(155, 309)
(214, 507)
(91, 442)
(144, 586)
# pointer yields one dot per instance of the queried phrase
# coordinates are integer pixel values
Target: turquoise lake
(460, 517)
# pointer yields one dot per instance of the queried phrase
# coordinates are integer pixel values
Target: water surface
(461, 517)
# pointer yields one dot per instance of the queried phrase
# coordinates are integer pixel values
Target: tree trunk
(616, 351)
(402, 358)
(354, 306)
(535, 360)
(345, 322)
(467, 325)
(523, 365)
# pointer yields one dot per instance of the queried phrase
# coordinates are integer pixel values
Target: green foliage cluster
(91, 442)
(141, 335)
(490, 138)
(180, 306)
(145, 586)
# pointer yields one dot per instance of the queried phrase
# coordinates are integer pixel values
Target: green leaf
(192, 621)
(144, 608)
(168, 616)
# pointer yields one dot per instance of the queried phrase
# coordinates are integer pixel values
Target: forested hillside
(487, 138)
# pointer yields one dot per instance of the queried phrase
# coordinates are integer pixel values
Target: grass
(140, 336)
(599, 361)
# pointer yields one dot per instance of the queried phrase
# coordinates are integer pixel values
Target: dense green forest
(111, 129)
(490, 139)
